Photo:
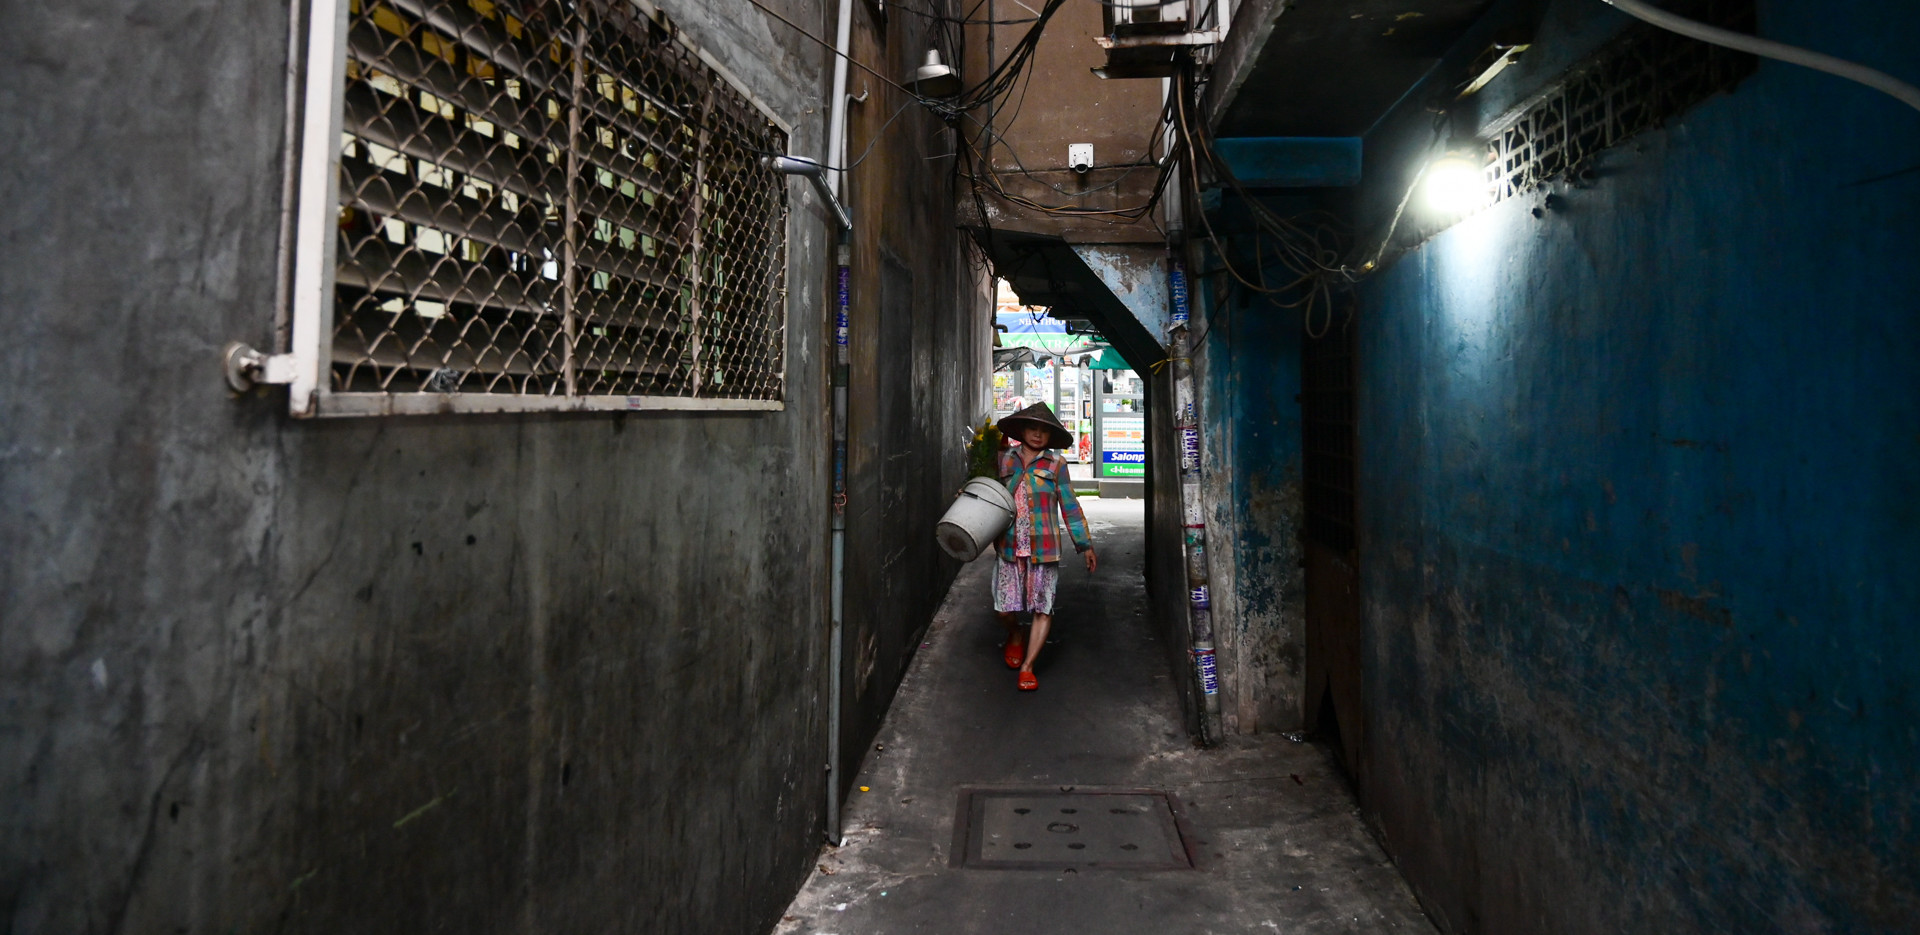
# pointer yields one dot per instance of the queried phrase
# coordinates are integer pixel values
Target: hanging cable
(1303, 253)
(1309, 255)
(854, 164)
(1767, 48)
(829, 47)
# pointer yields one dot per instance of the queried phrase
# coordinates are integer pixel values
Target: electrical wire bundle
(1012, 74)
(1310, 254)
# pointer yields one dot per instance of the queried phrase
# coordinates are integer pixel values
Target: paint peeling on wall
(1271, 600)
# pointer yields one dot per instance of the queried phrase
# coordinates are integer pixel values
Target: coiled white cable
(1878, 80)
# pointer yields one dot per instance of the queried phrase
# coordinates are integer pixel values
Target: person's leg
(1044, 578)
(1009, 598)
(1037, 639)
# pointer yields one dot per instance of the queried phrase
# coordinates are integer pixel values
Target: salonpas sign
(1123, 445)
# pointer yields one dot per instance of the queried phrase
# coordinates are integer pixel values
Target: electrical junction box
(1079, 156)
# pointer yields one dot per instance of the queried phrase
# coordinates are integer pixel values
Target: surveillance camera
(1080, 157)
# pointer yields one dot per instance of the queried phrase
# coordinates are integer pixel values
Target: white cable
(1877, 80)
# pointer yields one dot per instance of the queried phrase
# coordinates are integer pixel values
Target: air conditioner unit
(1142, 35)
(1146, 17)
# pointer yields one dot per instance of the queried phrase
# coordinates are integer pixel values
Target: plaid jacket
(1048, 488)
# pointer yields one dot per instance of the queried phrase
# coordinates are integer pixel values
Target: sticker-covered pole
(1193, 517)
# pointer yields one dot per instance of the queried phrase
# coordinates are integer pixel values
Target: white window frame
(305, 366)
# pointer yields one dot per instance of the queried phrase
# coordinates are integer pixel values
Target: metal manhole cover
(1050, 829)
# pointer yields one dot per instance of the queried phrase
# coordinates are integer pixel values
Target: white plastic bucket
(978, 516)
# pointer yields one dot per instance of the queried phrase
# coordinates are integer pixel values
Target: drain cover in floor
(1047, 829)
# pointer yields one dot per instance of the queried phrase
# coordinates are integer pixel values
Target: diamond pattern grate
(1636, 83)
(551, 199)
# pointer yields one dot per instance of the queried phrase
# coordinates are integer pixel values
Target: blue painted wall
(1250, 353)
(1639, 527)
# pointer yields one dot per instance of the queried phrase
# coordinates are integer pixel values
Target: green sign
(1123, 444)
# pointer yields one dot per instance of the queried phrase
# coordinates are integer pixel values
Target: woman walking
(1028, 571)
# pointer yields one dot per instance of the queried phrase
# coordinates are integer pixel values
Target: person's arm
(1076, 519)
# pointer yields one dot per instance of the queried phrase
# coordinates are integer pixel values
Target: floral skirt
(1022, 585)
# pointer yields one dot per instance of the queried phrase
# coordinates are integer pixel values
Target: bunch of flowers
(983, 451)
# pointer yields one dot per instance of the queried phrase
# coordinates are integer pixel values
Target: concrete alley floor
(1281, 845)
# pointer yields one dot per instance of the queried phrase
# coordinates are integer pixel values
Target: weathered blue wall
(1249, 355)
(1639, 527)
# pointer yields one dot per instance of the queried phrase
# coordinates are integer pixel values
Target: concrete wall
(1166, 560)
(1247, 370)
(1638, 523)
(921, 341)
(528, 673)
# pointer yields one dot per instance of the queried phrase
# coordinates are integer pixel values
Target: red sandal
(1016, 653)
(1028, 682)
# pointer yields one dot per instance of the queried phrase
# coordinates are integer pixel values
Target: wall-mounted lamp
(1455, 184)
(933, 79)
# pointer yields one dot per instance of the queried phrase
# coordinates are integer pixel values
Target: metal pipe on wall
(1193, 515)
(836, 156)
(837, 638)
(825, 177)
(1192, 510)
(837, 115)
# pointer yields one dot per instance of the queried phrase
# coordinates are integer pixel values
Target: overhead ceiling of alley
(1333, 67)
(1045, 270)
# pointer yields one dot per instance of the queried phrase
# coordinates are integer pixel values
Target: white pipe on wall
(836, 154)
(837, 116)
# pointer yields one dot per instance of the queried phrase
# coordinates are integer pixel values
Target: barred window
(534, 204)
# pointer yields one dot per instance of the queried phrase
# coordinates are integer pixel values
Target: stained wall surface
(921, 328)
(1638, 523)
(1247, 372)
(1264, 383)
(485, 673)
(1166, 561)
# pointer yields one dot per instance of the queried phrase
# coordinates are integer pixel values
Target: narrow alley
(1270, 826)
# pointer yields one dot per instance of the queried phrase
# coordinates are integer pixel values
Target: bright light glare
(1454, 186)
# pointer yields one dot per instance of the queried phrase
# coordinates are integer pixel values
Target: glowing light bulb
(1454, 185)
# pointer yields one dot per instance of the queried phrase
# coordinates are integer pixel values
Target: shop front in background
(1063, 387)
(1102, 403)
(1117, 406)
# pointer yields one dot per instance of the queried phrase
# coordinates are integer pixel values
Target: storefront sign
(1123, 445)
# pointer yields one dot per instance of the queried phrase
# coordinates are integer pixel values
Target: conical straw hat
(1038, 414)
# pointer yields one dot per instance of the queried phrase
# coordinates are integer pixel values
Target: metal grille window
(1327, 432)
(533, 204)
(1636, 83)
